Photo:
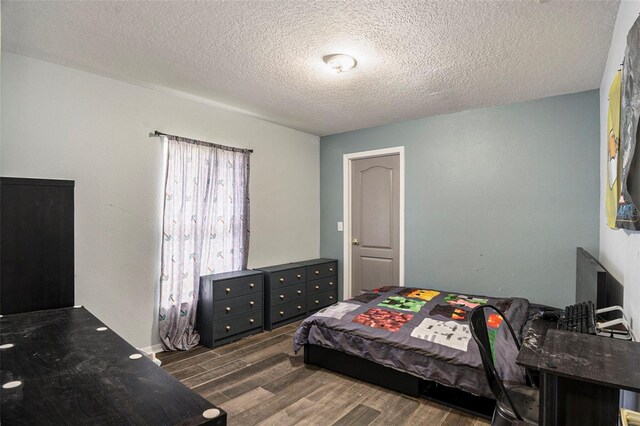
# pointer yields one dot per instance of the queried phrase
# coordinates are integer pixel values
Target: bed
(406, 338)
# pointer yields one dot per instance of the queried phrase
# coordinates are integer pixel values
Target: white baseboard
(153, 349)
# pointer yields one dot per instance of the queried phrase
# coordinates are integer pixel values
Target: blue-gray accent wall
(497, 199)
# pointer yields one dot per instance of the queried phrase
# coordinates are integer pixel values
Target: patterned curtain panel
(205, 229)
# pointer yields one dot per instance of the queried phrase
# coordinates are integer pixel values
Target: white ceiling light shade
(340, 63)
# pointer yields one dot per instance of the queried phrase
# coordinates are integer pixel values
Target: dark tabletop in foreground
(71, 373)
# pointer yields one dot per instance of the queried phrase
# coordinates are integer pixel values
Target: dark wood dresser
(229, 307)
(36, 236)
(295, 290)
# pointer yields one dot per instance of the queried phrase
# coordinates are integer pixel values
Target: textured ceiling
(415, 58)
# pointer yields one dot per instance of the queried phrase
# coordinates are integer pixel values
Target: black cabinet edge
(35, 182)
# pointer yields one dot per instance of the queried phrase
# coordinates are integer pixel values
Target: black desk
(581, 376)
(533, 341)
(71, 373)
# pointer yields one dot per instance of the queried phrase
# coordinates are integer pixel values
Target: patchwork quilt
(420, 331)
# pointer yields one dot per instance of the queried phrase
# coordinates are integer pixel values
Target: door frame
(346, 191)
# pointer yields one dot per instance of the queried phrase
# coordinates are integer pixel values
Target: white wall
(63, 123)
(619, 249)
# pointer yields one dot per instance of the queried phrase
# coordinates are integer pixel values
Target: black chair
(515, 404)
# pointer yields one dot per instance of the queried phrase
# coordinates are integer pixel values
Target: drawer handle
(251, 285)
(299, 307)
(228, 290)
(281, 313)
(330, 269)
(251, 321)
(299, 276)
(331, 283)
(317, 287)
(317, 302)
(282, 297)
(228, 328)
(330, 297)
(281, 280)
(251, 303)
(299, 292)
(228, 309)
(317, 272)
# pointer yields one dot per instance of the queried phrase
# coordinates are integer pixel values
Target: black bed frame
(371, 372)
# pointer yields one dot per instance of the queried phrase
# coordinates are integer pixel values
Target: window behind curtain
(205, 229)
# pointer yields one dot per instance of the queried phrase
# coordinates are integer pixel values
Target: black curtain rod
(228, 148)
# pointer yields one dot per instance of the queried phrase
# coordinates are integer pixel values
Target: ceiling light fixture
(340, 63)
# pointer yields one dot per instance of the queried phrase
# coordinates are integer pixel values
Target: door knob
(355, 242)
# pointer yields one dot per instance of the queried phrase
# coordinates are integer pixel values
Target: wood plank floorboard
(294, 414)
(212, 374)
(168, 358)
(290, 378)
(265, 377)
(216, 398)
(246, 401)
(228, 380)
(341, 395)
(185, 373)
(398, 412)
(248, 350)
(259, 380)
(360, 415)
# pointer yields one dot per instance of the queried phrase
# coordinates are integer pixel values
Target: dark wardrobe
(36, 244)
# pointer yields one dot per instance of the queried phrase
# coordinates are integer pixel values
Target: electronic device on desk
(583, 318)
(618, 328)
(595, 283)
(579, 318)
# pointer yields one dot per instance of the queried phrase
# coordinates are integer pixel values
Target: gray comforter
(423, 332)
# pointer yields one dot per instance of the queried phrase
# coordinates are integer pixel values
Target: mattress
(423, 332)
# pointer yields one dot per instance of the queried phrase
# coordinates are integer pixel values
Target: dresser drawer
(322, 270)
(237, 324)
(237, 305)
(237, 287)
(320, 286)
(287, 277)
(317, 301)
(288, 294)
(288, 310)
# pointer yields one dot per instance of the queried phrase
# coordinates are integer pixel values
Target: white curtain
(205, 229)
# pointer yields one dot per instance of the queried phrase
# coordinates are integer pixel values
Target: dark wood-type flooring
(259, 380)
